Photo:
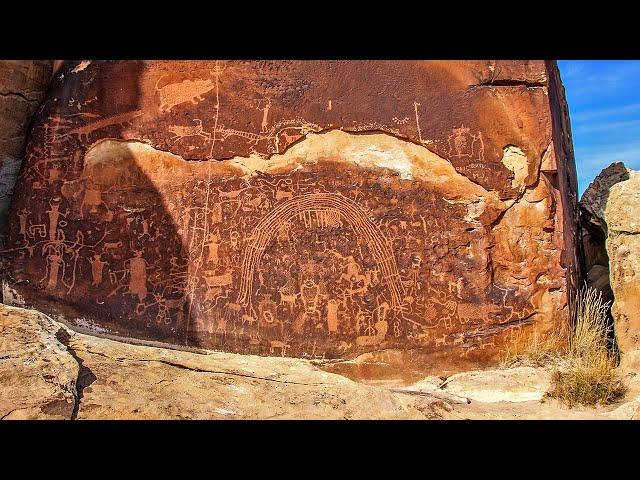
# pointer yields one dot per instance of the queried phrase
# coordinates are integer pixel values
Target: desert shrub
(589, 376)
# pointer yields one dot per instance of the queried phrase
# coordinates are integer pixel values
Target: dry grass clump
(589, 377)
(535, 350)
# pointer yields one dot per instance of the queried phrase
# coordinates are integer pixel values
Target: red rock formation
(23, 84)
(318, 208)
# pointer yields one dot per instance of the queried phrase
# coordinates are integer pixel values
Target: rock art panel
(289, 208)
(23, 84)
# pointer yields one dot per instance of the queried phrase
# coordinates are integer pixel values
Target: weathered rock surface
(37, 373)
(519, 384)
(622, 216)
(47, 370)
(23, 84)
(293, 209)
(593, 227)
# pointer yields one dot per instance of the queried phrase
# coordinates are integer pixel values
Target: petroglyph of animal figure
(86, 130)
(488, 344)
(442, 340)
(180, 131)
(381, 328)
(221, 325)
(288, 296)
(343, 346)
(283, 345)
(212, 294)
(232, 194)
(223, 133)
(282, 194)
(248, 319)
(432, 314)
(289, 139)
(112, 245)
(470, 349)
(234, 307)
(174, 94)
(471, 311)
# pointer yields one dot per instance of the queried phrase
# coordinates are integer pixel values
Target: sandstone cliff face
(318, 209)
(623, 246)
(23, 84)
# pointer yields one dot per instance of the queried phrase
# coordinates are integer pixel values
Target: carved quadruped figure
(173, 94)
(181, 132)
(283, 345)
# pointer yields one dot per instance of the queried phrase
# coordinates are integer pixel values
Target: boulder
(316, 209)
(37, 372)
(622, 216)
(23, 84)
(593, 227)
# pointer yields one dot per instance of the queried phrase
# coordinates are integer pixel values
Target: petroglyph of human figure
(137, 275)
(351, 269)
(93, 199)
(97, 267)
(462, 143)
(212, 242)
(54, 263)
(22, 216)
(215, 210)
(310, 293)
(265, 116)
(332, 315)
(54, 215)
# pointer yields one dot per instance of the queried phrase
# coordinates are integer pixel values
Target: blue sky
(604, 106)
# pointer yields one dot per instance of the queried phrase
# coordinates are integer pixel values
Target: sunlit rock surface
(421, 213)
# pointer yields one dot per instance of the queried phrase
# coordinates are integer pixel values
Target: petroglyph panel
(218, 205)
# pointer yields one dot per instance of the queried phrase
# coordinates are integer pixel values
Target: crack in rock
(85, 376)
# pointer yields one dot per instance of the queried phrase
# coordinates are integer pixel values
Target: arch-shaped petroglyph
(322, 205)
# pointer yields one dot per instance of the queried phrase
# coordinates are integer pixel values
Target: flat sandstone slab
(52, 373)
